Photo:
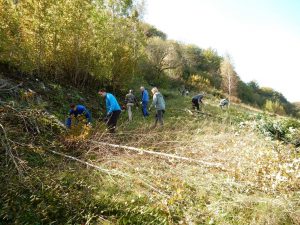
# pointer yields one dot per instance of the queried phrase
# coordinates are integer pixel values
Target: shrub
(199, 82)
(274, 107)
(286, 130)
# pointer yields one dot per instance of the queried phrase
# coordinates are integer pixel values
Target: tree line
(105, 42)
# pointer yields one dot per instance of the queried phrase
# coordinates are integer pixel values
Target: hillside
(237, 165)
(297, 104)
(216, 167)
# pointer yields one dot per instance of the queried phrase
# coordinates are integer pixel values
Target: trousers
(159, 117)
(144, 109)
(112, 121)
(129, 110)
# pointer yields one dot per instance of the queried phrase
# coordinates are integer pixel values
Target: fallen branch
(6, 145)
(109, 172)
(141, 151)
(10, 89)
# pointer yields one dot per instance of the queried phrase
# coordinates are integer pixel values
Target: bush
(199, 82)
(287, 130)
(274, 107)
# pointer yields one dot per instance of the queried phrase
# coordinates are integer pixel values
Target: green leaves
(71, 40)
(286, 130)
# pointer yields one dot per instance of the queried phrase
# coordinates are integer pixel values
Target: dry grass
(258, 183)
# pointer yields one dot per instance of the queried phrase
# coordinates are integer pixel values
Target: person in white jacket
(224, 102)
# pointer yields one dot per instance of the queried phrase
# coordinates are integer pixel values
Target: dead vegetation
(210, 168)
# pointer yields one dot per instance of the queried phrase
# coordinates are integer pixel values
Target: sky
(261, 36)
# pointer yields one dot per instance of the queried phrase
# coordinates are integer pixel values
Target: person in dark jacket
(77, 112)
(160, 106)
(145, 101)
(113, 110)
(130, 101)
(196, 100)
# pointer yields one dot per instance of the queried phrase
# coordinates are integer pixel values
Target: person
(77, 112)
(130, 100)
(160, 106)
(184, 91)
(113, 110)
(145, 101)
(224, 102)
(196, 100)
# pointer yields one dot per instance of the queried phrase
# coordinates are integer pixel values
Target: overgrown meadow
(230, 166)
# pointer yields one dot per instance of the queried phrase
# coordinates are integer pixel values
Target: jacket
(80, 110)
(145, 96)
(224, 102)
(198, 98)
(130, 98)
(158, 101)
(111, 103)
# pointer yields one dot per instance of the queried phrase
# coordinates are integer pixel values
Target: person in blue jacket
(113, 110)
(77, 111)
(145, 101)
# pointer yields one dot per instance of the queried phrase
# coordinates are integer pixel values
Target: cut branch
(5, 143)
(109, 172)
(161, 154)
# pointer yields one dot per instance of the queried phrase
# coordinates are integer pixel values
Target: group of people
(113, 109)
(197, 100)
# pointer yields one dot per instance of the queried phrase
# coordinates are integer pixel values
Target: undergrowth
(257, 182)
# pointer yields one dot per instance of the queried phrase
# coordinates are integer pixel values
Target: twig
(8, 150)
(9, 89)
(139, 150)
(109, 172)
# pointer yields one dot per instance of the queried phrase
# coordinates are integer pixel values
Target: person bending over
(113, 110)
(196, 100)
(224, 102)
(76, 113)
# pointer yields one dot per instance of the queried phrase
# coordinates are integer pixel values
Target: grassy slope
(257, 183)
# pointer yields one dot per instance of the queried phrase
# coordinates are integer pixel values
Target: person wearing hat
(76, 113)
(130, 100)
(113, 110)
(196, 100)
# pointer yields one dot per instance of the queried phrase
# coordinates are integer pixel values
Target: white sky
(262, 36)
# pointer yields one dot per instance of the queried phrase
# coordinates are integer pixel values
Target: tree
(151, 31)
(78, 41)
(162, 55)
(253, 85)
(274, 107)
(229, 77)
(191, 60)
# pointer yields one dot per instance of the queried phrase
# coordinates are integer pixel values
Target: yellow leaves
(28, 95)
(199, 81)
(79, 129)
(274, 107)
